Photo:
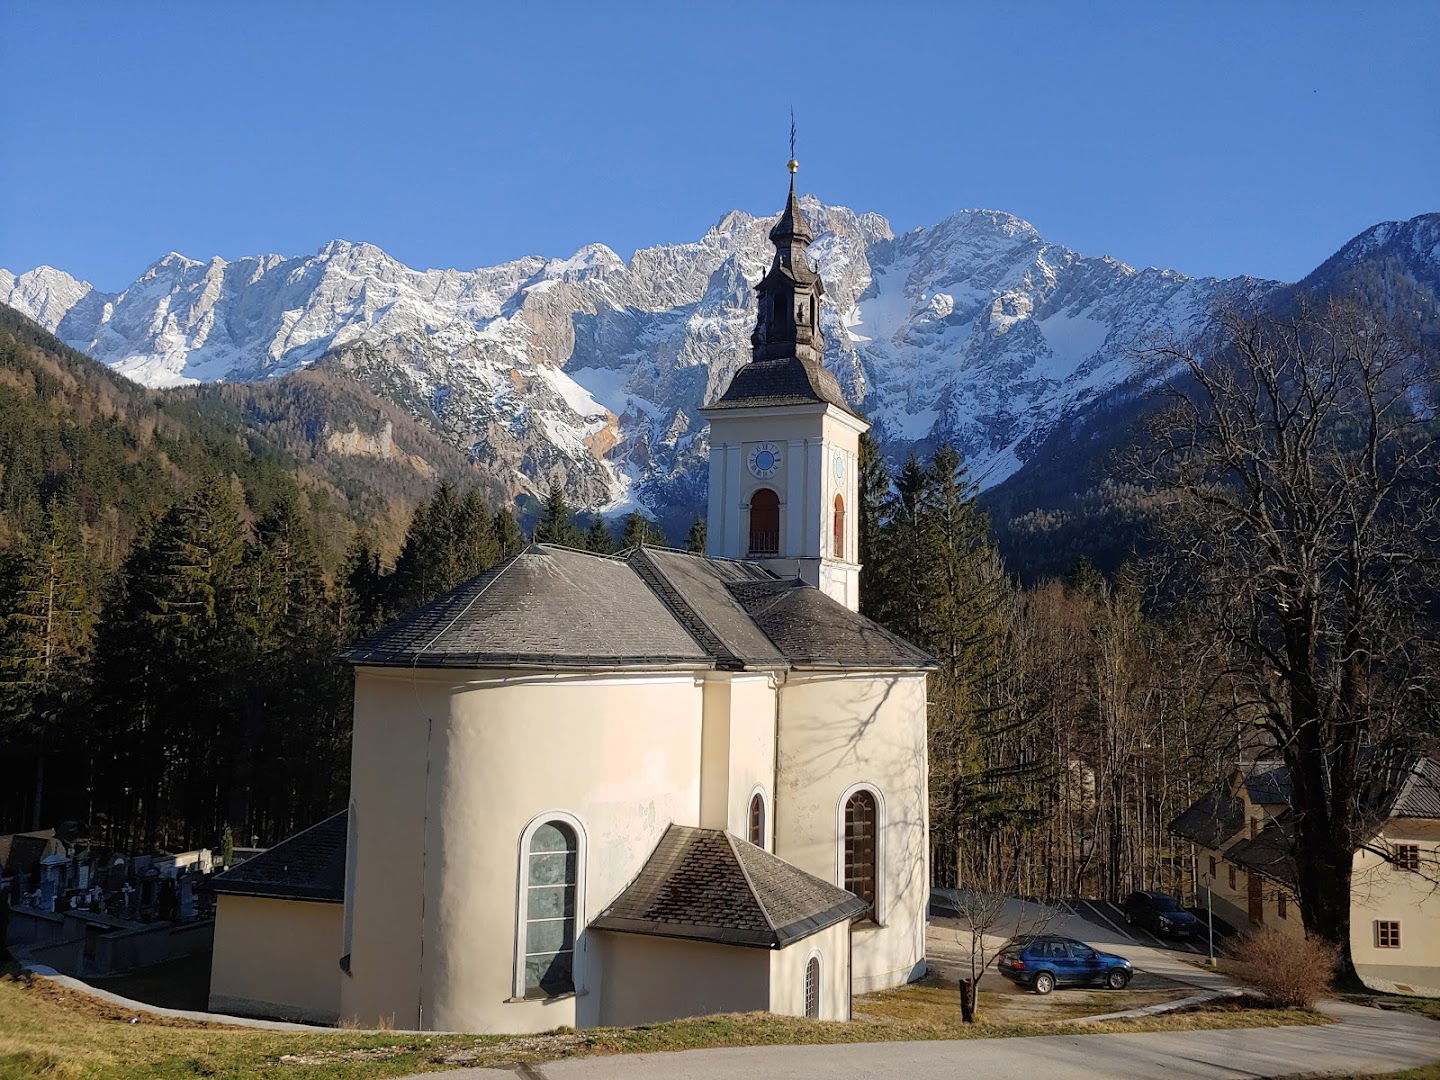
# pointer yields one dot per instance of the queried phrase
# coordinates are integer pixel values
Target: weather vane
(792, 164)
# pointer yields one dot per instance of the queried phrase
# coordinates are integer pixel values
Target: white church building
(606, 790)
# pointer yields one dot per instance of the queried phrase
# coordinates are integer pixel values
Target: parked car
(1161, 914)
(1044, 962)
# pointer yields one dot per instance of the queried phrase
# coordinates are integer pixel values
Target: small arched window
(551, 867)
(756, 829)
(860, 826)
(764, 522)
(812, 988)
(839, 548)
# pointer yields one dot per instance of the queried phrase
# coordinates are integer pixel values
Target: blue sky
(1215, 138)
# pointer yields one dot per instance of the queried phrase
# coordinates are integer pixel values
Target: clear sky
(1212, 137)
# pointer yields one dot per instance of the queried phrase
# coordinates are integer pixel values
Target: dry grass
(1421, 1006)
(49, 1031)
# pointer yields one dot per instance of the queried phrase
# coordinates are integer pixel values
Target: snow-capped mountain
(591, 369)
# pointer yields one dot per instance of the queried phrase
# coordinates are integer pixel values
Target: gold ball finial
(793, 166)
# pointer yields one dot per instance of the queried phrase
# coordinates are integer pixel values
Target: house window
(1387, 934)
(860, 828)
(839, 548)
(1282, 905)
(1232, 876)
(1407, 857)
(764, 522)
(1212, 866)
(1255, 898)
(551, 866)
(812, 988)
(757, 820)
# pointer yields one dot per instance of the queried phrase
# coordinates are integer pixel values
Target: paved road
(1365, 1041)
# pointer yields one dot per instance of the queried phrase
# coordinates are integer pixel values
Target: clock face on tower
(764, 460)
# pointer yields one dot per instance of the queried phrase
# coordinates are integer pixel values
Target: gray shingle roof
(786, 381)
(1269, 853)
(308, 866)
(706, 885)
(1213, 819)
(1419, 793)
(813, 630)
(555, 607)
(548, 606)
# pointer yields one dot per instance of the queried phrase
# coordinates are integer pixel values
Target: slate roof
(706, 885)
(813, 630)
(788, 380)
(308, 866)
(547, 606)
(555, 607)
(1212, 819)
(1269, 853)
(1268, 783)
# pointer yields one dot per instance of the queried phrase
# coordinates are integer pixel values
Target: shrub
(1288, 972)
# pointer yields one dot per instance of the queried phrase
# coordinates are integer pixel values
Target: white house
(610, 790)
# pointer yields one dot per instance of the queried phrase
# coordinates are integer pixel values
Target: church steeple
(788, 320)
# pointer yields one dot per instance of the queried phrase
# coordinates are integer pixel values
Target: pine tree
(598, 538)
(434, 557)
(475, 539)
(557, 520)
(45, 638)
(640, 530)
(696, 541)
(875, 483)
(362, 590)
(509, 540)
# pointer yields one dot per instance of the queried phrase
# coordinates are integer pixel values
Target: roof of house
(20, 853)
(1212, 819)
(1268, 853)
(1267, 783)
(308, 866)
(706, 885)
(552, 606)
(788, 380)
(1419, 792)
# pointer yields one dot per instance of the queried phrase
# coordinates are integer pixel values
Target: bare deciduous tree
(1297, 466)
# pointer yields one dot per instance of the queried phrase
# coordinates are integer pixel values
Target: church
(610, 790)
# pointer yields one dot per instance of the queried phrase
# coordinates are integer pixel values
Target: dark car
(1160, 913)
(1042, 963)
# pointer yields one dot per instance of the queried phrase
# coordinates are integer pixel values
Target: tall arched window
(839, 548)
(860, 829)
(551, 873)
(764, 522)
(812, 988)
(756, 829)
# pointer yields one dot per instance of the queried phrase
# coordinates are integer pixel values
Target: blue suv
(1044, 962)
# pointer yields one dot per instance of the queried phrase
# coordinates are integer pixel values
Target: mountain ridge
(589, 370)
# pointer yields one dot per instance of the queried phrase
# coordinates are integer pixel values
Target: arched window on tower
(764, 523)
(860, 823)
(839, 548)
(756, 827)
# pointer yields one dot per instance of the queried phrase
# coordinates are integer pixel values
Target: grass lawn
(1423, 1006)
(49, 1031)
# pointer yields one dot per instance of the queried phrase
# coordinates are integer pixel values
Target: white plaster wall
(619, 754)
(1379, 891)
(787, 974)
(390, 793)
(646, 980)
(276, 958)
(751, 758)
(836, 731)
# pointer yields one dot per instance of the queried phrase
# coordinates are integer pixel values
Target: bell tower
(784, 442)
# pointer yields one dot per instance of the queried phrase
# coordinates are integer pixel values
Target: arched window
(764, 522)
(756, 830)
(550, 873)
(812, 988)
(861, 819)
(839, 549)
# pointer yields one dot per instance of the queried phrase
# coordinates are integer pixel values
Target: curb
(1162, 1007)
